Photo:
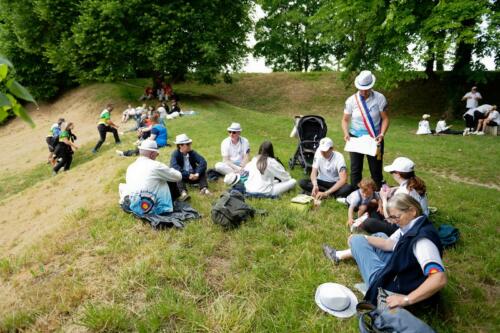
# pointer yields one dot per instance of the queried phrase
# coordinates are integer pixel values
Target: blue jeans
(370, 259)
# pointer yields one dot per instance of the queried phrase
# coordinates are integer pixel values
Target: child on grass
(364, 200)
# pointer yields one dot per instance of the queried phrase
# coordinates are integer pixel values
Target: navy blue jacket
(197, 162)
(403, 273)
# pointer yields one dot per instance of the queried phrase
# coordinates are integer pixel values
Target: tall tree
(288, 39)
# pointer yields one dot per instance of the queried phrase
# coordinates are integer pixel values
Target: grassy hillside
(101, 270)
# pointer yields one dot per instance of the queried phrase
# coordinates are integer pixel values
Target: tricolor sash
(365, 115)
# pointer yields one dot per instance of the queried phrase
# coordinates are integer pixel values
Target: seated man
(150, 185)
(235, 151)
(329, 173)
(190, 164)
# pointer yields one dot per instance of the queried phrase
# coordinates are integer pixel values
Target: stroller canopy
(311, 128)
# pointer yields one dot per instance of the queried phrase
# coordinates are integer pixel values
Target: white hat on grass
(235, 127)
(400, 164)
(182, 139)
(149, 145)
(365, 80)
(325, 144)
(232, 179)
(336, 299)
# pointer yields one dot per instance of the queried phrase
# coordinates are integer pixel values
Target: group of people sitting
(141, 113)
(61, 143)
(162, 91)
(477, 117)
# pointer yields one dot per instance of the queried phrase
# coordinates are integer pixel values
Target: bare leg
(479, 125)
(362, 209)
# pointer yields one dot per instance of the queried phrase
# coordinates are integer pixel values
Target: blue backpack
(448, 235)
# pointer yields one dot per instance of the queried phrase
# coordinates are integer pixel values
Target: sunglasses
(233, 132)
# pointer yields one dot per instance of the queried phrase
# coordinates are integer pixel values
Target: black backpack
(230, 210)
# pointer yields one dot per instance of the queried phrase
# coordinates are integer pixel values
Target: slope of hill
(72, 261)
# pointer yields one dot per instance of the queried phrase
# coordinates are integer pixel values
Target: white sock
(344, 254)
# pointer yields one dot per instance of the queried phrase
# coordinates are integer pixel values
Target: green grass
(110, 272)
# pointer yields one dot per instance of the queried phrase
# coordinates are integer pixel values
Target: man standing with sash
(366, 113)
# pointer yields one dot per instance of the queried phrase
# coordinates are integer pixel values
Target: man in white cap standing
(328, 174)
(235, 151)
(366, 113)
(190, 164)
(150, 185)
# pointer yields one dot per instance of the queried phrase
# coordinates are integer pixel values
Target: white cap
(325, 144)
(365, 80)
(235, 127)
(149, 145)
(231, 179)
(336, 299)
(400, 164)
(182, 139)
(426, 116)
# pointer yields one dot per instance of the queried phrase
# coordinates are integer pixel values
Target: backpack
(230, 210)
(448, 235)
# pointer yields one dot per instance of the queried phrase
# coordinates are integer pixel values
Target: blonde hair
(367, 183)
(404, 202)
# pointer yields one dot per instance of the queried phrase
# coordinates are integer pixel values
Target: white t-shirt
(162, 111)
(472, 102)
(329, 169)
(235, 152)
(263, 183)
(482, 108)
(148, 176)
(424, 249)
(376, 103)
(441, 126)
(494, 116)
(423, 127)
(422, 200)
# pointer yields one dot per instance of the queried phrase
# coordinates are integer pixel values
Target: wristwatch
(407, 300)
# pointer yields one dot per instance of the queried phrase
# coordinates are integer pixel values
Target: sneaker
(118, 143)
(342, 200)
(119, 153)
(331, 254)
(54, 173)
(480, 133)
(205, 191)
(184, 196)
(94, 151)
(466, 132)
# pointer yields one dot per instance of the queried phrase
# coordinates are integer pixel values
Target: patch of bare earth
(455, 178)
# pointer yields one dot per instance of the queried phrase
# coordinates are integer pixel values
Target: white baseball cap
(365, 80)
(325, 144)
(426, 116)
(182, 139)
(149, 145)
(336, 299)
(400, 164)
(235, 127)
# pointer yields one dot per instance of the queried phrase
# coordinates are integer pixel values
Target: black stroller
(311, 129)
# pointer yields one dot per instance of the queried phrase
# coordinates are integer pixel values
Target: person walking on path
(104, 126)
(64, 149)
(52, 139)
(366, 113)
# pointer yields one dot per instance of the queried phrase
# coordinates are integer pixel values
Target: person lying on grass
(266, 175)
(408, 264)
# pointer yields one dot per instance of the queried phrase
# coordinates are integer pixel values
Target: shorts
(492, 123)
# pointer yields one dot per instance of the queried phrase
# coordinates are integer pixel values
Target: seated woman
(267, 176)
(442, 128)
(423, 126)
(408, 263)
(403, 172)
(492, 119)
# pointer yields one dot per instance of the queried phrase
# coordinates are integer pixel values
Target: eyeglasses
(232, 132)
(394, 217)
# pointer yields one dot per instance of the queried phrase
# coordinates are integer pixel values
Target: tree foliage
(106, 40)
(288, 38)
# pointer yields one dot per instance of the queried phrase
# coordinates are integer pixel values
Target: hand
(321, 195)
(195, 176)
(395, 301)
(380, 209)
(379, 138)
(315, 190)
(346, 137)
(350, 222)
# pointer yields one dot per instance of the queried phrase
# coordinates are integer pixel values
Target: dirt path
(467, 181)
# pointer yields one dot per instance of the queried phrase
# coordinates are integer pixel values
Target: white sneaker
(205, 191)
(479, 133)
(342, 200)
(184, 196)
(466, 132)
(119, 153)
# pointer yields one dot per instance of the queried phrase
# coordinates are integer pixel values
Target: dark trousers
(202, 181)
(174, 190)
(376, 223)
(66, 155)
(469, 121)
(103, 129)
(450, 131)
(323, 186)
(131, 152)
(374, 163)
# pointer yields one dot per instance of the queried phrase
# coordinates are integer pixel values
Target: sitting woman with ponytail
(403, 172)
(266, 176)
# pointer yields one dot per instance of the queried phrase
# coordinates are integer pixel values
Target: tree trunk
(463, 54)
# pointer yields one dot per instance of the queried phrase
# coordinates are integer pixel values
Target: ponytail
(414, 182)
